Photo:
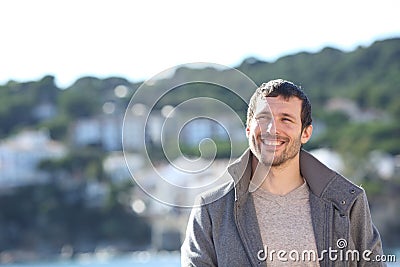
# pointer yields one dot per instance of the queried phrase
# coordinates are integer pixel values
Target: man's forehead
(265, 104)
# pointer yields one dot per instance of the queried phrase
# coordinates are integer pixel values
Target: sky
(137, 40)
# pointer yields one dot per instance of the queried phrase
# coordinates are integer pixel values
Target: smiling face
(276, 140)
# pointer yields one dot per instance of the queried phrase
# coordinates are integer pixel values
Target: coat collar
(318, 176)
(240, 171)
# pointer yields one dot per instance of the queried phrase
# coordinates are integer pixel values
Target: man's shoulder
(342, 191)
(341, 183)
(217, 195)
(325, 182)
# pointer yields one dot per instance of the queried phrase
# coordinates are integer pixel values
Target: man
(301, 214)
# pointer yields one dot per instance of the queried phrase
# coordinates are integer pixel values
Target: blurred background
(69, 70)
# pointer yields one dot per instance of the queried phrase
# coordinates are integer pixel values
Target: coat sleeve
(364, 233)
(198, 246)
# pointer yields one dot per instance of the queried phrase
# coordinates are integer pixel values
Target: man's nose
(268, 127)
(272, 127)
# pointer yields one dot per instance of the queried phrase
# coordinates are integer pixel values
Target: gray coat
(225, 232)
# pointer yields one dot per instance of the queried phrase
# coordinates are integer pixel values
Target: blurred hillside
(76, 200)
(356, 93)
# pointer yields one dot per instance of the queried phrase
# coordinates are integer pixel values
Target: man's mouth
(272, 142)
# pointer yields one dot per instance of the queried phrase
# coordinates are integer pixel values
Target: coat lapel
(248, 228)
(320, 216)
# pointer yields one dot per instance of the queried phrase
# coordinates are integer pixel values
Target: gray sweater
(225, 232)
(286, 227)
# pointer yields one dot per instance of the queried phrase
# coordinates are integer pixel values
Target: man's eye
(263, 119)
(287, 119)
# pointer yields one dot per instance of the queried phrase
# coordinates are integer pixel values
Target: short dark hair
(286, 89)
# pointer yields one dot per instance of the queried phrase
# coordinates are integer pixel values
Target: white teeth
(272, 143)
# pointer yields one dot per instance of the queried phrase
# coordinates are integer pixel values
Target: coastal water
(142, 259)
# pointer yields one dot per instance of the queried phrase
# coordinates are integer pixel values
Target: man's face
(276, 139)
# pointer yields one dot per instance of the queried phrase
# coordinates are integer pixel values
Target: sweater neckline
(300, 192)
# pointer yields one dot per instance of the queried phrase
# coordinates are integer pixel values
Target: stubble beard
(288, 154)
(269, 158)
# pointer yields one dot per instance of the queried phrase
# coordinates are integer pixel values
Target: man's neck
(280, 180)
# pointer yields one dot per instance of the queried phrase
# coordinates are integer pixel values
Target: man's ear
(306, 134)
(247, 131)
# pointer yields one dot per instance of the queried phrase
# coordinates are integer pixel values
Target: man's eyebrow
(284, 114)
(263, 114)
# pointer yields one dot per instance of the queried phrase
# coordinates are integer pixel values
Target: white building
(20, 155)
(134, 132)
(115, 165)
(105, 131)
(221, 127)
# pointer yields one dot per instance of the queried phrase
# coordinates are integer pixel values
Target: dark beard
(272, 159)
(288, 154)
